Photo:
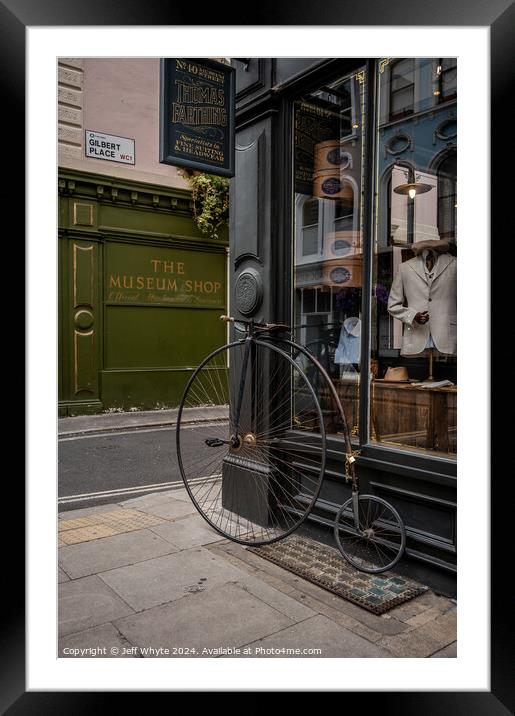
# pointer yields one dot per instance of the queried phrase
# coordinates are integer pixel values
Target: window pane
(310, 213)
(310, 241)
(328, 150)
(402, 74)
(402, 101)
(413, 357)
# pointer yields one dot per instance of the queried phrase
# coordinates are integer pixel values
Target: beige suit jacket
(411, 293)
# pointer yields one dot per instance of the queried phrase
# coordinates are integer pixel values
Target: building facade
(140, 286)
(345, 188)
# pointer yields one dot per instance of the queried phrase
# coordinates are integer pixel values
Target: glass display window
(328, 153)
(413, 390)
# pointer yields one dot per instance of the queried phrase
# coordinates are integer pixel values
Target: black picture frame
(499, 16)
(169, 131)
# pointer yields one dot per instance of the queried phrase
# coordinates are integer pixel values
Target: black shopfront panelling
(423, 488)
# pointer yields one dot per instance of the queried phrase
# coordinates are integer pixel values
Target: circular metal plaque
(248, 291)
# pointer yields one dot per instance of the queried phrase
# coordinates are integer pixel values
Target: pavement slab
(319, 633)
(225, 616)
(188, 532)
(62, 576)
(85, 534)
(182, 495)
(103, 524)
(293, 608)
(448, 652)
(103, 641)
(80, 560)
(153, 498)
(86, 511)
(168, 578)
(87, 602)
(170, 509)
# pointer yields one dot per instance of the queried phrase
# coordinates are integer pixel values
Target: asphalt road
(101, 469)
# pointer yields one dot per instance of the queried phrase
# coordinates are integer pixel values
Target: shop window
(402, 88)
(413, 378)
(327, 306)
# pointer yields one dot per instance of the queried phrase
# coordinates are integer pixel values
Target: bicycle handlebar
(255, 324)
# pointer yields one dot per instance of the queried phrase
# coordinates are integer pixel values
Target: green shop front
(140, 293)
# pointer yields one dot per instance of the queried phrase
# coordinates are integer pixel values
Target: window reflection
(412, 361)
(328, 158)
(413, 337)
(402, 88)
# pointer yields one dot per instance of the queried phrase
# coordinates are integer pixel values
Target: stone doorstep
(424, 640)
(424, 602)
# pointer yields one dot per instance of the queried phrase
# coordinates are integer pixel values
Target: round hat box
(330, 155)
(327, 184)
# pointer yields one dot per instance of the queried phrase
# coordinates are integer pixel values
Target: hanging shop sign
(197, 115)
(109, 147)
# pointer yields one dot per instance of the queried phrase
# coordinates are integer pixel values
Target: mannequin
(423, 297)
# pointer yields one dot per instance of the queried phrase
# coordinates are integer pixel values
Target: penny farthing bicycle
(254, 473)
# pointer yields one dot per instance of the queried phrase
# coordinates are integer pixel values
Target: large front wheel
(250, 473)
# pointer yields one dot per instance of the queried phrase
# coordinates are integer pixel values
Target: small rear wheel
(376, 542)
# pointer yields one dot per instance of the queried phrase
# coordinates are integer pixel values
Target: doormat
(325, 567)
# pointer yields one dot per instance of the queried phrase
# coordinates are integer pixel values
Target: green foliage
(210, 196)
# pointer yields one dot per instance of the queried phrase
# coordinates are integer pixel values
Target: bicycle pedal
(214, 442)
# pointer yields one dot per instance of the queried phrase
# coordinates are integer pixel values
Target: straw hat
(396, 374)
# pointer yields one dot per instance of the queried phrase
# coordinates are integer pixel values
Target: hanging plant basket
(210, 196)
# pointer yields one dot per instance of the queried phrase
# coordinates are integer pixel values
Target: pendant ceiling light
(412, 189)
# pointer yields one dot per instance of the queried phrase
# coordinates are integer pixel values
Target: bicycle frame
(263, 331)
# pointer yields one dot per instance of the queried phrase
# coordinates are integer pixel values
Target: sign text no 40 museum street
(197, 115)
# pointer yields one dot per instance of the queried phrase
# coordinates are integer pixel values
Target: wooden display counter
(401, 413)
